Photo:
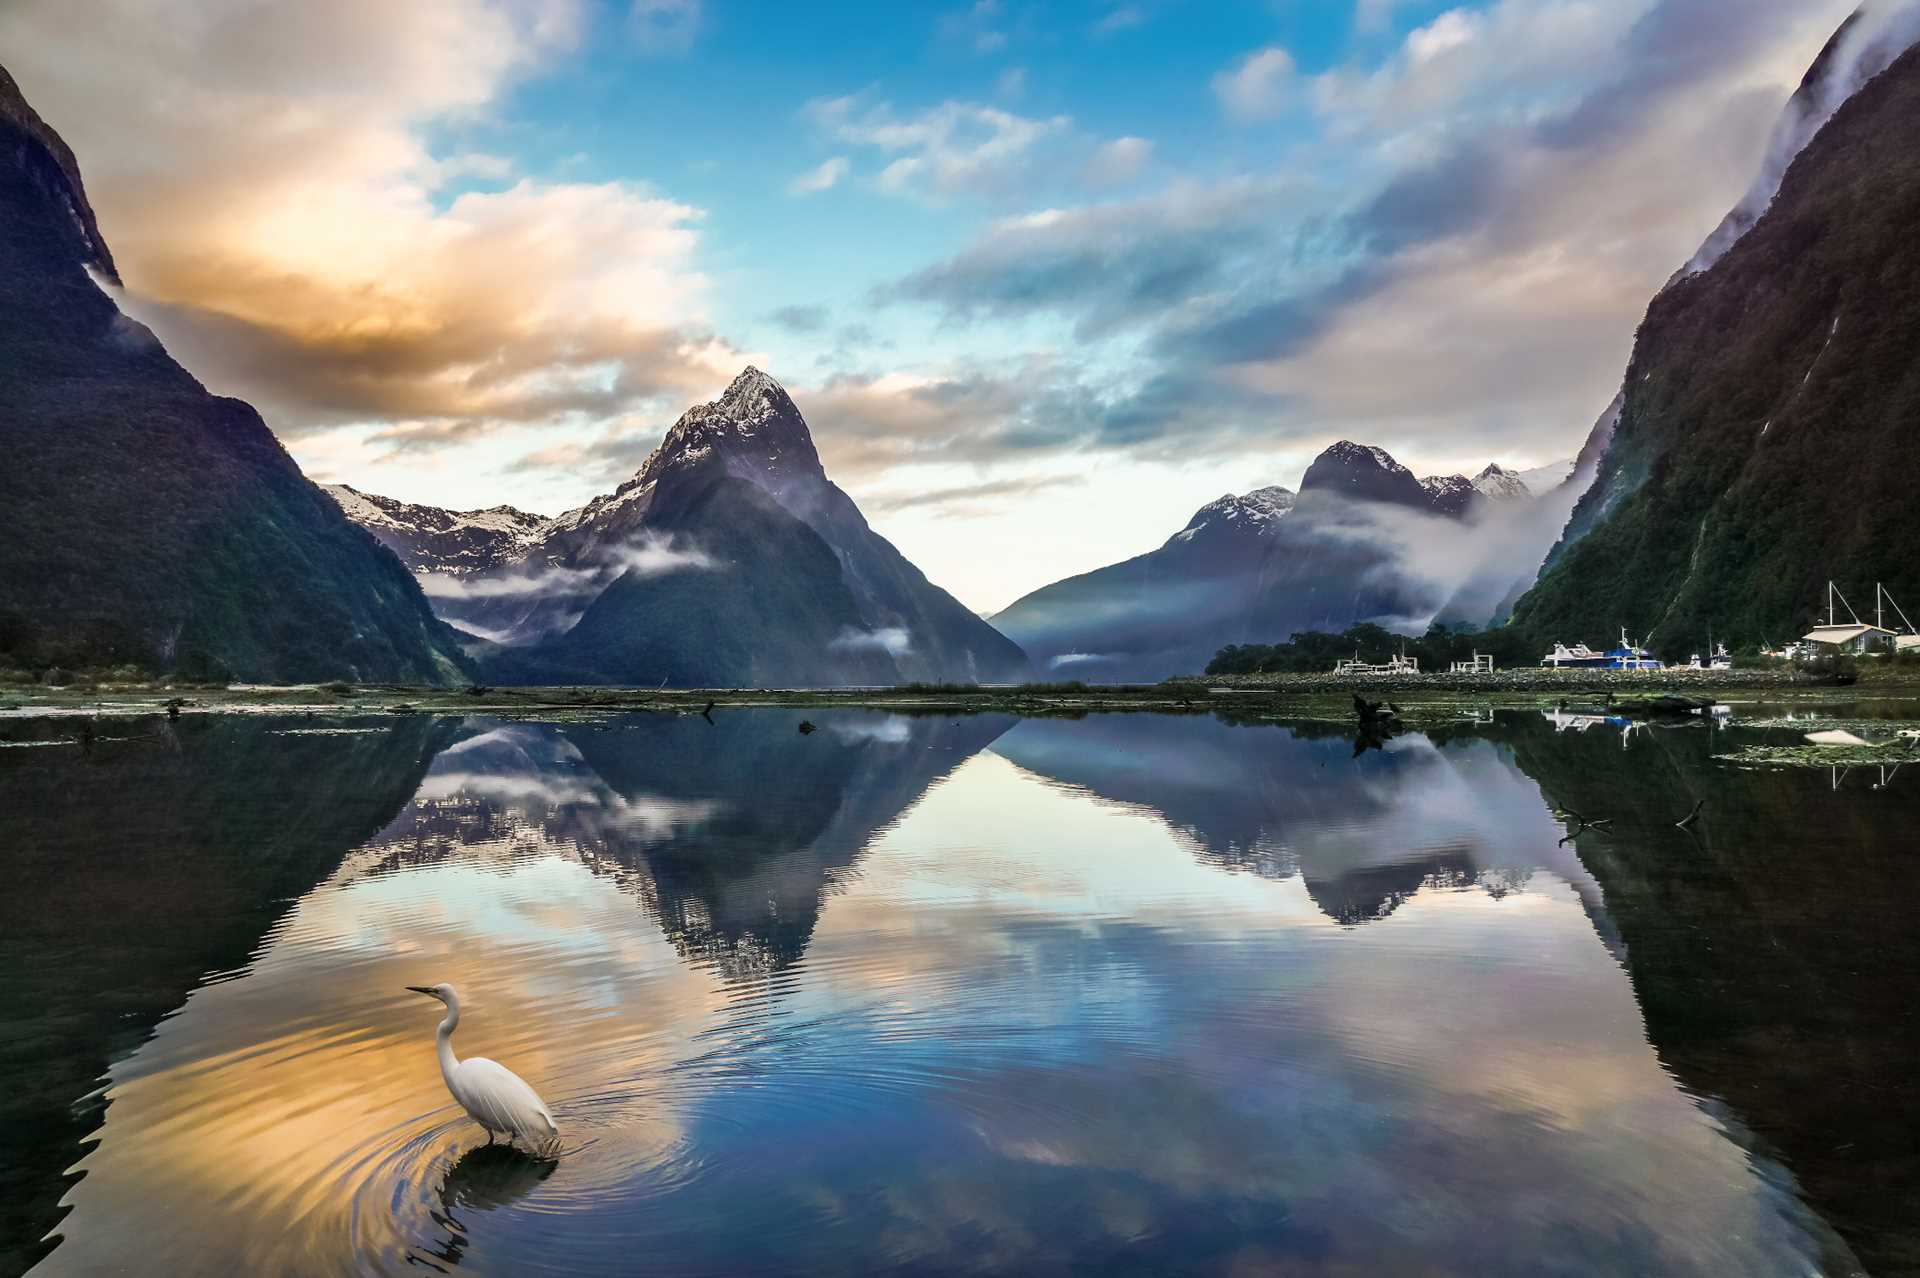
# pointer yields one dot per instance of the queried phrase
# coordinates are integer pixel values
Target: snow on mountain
(1257, 512)
(1450, 494)
(431, 540)
(1497, 483)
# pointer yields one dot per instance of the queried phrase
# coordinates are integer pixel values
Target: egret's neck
(444, 1039)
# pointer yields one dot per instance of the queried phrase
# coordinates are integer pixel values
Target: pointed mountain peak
(753, 429)
(753, 397)
(1497, 483)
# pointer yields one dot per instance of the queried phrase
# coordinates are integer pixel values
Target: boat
(1720, 660)
(1628, 656)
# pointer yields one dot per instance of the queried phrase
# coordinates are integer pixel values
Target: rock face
(1762, 443)
(145, 521)
(729, 559)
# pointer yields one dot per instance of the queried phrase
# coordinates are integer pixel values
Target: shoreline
(1240, 695)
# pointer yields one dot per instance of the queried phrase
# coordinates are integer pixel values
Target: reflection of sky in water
(1123, 992)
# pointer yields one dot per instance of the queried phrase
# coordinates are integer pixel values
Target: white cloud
(951, 149)
(977, 26)
(891, 640)
(654, 555)
(1256, 89)
(823, 177)
(1120, 18)
(1450, 30)
(1119, 161)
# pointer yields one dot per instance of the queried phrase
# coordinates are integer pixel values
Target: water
(1128, 993)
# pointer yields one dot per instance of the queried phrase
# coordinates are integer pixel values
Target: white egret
(497, 1098)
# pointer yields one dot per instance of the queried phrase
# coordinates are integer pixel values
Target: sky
(1043, 278)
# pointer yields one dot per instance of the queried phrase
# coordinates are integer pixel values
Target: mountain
(729, 559)
(1453, 495)
(1363, 540)
(432, 541)
(144, 520)
(1762, 440)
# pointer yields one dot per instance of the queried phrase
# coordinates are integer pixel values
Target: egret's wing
(502, 1100)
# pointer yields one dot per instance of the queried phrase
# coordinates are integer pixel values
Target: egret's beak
(421, 989)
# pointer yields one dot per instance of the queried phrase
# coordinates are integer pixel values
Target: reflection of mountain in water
(732, 833)
(193, 837)
(1363, 834)
(1774, 952)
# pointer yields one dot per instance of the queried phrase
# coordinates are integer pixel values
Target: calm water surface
(1129, 993)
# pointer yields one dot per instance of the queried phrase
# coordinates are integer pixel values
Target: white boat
(1627, 656)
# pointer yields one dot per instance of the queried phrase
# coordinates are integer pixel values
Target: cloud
(667, 26)
(653, 555)
(1122, 17)
(824, 177)
(1012, 84)
(509, 585)
(892, 640)
(1256, 89)
(800, 319)
(1519, 183)
(954, 148)
(1114, 265)
(291, 228)
(977, 27)
(970, 497)
(1374, 15)
(1118, 162)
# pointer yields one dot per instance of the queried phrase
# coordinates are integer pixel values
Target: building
(1855, 637)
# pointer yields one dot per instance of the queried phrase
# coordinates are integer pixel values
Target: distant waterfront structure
(1855, 635)
(1402, 664)
(1482, 663)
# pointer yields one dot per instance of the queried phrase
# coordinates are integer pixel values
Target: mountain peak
(18, 116)
(753, 397)
(1362, 472)
(1255, 511)
(753, 428)
(1450, 494)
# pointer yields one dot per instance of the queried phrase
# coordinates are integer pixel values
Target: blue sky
(1043, 277)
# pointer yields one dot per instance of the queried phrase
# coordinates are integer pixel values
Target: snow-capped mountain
(1454, 495)
(1257, 512)
(1361, 472)
(431, 540)
(730, 558)
(1497, 483)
